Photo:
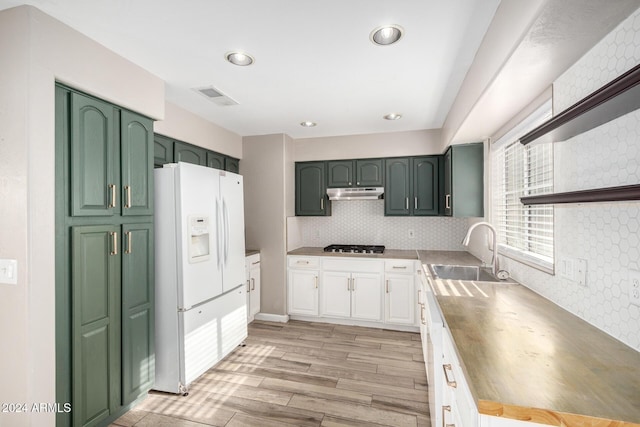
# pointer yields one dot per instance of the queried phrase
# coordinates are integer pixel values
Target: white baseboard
(280, 318)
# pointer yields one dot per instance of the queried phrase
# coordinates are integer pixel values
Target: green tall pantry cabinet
(104, 258)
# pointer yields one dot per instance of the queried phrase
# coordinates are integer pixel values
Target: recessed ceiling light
(386, 35)
(239, 58)
(308, 124)
(393, 116)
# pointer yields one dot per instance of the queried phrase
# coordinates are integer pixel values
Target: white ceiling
(314, 60)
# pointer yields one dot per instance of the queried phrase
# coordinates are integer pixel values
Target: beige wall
(181, 124)
(410, 143)
(265, 167)
(36, 50)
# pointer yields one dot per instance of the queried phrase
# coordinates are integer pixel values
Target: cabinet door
(94, 174)
(369, 173)
(215, 160)
(138, 356)
(95, 323)
(231, 165)
(340, 173)
(399, 307)
(366, 296)
(467, 180)
(136, 163)
(162, 150)
(335, 294)
(183, 152)
(397, 187)
(303, 292)
(254, 288)
(425, 185)
(311, 197)
(448, 207)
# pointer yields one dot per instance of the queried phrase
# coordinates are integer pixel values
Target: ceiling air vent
(214, 95)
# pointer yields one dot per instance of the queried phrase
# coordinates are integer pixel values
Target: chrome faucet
(494, 257)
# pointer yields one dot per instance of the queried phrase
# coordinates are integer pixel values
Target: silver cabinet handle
(447, 369)
(315, 281)
(248, 286)
(415, 203)
(253, 284)
(387, 285)
(448, 409)
(420, 296)
(129, 243)
(348, 284)
(302, 262)
(447, 201)
(406, 203)
(422, 317)
(258, 262)
(399, 267)
(112, 202)
(322, 203)
(114, 243)
(350, 183)
(127, 190)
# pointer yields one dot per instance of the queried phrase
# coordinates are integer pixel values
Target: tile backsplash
(363, 222)
(606, 235)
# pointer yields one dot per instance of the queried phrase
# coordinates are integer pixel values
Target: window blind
(524, 232)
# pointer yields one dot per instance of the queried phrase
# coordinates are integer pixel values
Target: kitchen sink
(462, 272)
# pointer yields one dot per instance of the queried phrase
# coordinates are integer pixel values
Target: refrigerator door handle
(226, 230)
(218, 232)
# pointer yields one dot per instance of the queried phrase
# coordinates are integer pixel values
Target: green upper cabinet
(425, 185)
(355, 173)
(311, 191)
(162, 150)
(411, 186)
(232, 165)
(397, 189)
(183, 152)
(215, 160)
(95, 323)
(369, 173)
(136, 163)
(464, 180)
(138, 368)
(340, 174)
(94, 150)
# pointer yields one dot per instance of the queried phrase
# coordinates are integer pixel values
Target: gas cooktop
(355, 249)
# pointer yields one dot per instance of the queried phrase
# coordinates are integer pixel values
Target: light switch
(9, 271)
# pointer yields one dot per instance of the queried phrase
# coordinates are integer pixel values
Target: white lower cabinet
(252, 266)
(302, 285)
(351, 295)
(399, 284)
(358, 289)
(459, 407)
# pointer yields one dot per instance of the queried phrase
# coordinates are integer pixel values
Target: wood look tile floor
(302, 374)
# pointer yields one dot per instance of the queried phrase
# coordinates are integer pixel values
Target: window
(525, 233)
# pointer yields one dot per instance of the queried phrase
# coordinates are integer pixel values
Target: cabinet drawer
(365, 265)
(400, 266)
(253, 260)
(303, 262)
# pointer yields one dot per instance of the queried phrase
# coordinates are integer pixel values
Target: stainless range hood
(365, 193)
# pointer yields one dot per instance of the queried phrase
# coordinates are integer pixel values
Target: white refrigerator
(200, 295)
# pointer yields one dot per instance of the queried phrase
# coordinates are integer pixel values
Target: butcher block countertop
(526, 358)
(388, 253)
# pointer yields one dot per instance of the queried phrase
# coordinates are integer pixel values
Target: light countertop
(526, 358)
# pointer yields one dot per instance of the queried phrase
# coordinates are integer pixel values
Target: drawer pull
(302, 262)
(258, 262)
(448, 409)
(422, 317)
(447, 369)
(399, 267)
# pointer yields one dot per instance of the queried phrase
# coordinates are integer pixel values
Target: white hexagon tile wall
(605, 234)
(363, 223)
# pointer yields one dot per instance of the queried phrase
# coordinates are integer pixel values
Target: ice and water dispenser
(198, 238)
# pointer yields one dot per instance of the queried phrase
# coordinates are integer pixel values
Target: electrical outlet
(9, 271)
(634, 287)
(581, 272)
(412, 234)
